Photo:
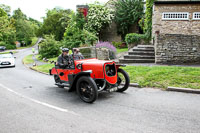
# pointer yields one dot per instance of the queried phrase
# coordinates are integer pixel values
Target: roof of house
(176, 1)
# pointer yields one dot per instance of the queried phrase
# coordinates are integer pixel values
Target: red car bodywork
(96, 68)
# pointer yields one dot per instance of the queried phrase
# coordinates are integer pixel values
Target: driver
(63, 59)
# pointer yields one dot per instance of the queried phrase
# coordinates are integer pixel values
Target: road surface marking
(39, 102)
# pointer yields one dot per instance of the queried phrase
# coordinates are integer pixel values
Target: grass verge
(43, 68)
(156, 76)
(28, 59)
(122, 50)
(38, 57)
(164, 76)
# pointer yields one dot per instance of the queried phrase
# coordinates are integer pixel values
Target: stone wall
(188, 27)
(110, 34)
(177, 49)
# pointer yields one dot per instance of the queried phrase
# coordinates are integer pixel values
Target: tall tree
(24, 27)
(6, 8)
(18, 14)
(55, 23)
(128, 13)
(7, 31)
(2, 13)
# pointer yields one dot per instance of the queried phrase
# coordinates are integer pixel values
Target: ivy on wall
(148, 19)
(147, 26)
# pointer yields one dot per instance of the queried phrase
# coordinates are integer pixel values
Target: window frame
(176, 14)
(193, 16)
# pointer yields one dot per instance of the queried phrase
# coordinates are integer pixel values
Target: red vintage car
(90, 75)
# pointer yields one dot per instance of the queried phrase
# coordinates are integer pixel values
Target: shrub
(49, 47)
(106, 45)
(75, 35)
(135, 38)
(119, 44)
(8, 46)
(99, 16)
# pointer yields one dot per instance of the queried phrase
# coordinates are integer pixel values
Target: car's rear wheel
(87, 89)
(57, 80)
(123, 80)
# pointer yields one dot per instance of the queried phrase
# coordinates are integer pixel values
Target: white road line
(39, 102)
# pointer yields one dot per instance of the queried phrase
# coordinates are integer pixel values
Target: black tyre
(123, 80)
(57, 80)
(87, 89)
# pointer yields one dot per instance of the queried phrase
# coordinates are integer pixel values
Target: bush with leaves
(7, 31)
(8, 46)
(134, 38)
(49, 47)
(75, 35)
(99, 16)
(128, 13)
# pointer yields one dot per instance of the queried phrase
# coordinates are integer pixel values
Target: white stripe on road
(38, 102)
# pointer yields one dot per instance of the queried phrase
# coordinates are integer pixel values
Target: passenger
(77, 54)
(63, 59)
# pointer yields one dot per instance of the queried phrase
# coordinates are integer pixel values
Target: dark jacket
(63, 61)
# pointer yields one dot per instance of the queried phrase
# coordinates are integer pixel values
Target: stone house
(176, 30)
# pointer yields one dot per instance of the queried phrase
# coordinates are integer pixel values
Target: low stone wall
(177, 49)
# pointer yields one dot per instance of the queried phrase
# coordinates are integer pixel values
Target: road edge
(169, 88)
(186, 90)
(33, 68)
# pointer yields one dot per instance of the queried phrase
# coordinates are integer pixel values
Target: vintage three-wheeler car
(94, 72)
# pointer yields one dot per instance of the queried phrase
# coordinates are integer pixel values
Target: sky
(37, 8)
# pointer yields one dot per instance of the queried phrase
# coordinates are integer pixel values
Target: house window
(175, 16)
(196, 15)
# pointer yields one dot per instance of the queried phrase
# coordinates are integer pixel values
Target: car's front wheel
(123, 80)
(87, 89)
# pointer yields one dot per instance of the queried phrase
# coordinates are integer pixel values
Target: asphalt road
(30, 102)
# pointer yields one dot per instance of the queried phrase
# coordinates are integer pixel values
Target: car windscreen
(5, 56)
(92, 52)
(84, 53)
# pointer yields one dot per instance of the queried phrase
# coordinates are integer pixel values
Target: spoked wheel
(123, 80)
(57, 80)
(87, 89)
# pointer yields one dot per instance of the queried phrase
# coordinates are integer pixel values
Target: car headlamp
(79, 66)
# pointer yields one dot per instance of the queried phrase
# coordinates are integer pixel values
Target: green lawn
(38, 57)
(122, 50)
(164, 76)
(156, 76)
(44, 68)
(28, 59)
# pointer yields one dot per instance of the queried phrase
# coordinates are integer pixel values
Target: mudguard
(73, 79)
